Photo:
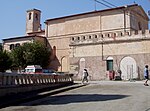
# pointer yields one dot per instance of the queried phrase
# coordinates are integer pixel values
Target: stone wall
(95, 51)
(97, 67)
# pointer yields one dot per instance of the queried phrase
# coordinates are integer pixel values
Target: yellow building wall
(62, 52)
(60, 31)
(113, 49)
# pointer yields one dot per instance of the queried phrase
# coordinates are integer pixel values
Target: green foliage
(31, 54)
(1, 47)
(17, 57)
(5, 61)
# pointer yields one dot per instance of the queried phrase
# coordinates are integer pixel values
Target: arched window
(121, 34)
(17, 45)
(127, 33)
(78, 38)
(90, 37)
(72, 38)
(30, 16)
(12, 46)
(114, 34)
(83, 37)
(54, 50)
(139, 24)
(95, 36)
(36, 16)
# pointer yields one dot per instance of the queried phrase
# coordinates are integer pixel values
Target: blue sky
(13, 12)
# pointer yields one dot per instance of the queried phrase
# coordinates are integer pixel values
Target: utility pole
(149, 15)
(95, 4)
(149, 10)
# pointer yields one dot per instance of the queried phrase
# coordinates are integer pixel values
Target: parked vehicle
(49, 71)
(33, 69)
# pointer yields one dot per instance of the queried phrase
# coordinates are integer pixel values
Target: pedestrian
(146, 75)
(85, 76)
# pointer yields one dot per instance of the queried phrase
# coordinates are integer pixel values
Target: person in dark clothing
(146, 75)
(85, 76)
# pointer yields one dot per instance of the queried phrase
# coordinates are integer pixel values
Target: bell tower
(33, 21)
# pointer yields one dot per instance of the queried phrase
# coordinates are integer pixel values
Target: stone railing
(7, 79)
(19, 83)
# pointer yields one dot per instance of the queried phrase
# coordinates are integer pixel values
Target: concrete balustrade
(15, 83)
(32, 79)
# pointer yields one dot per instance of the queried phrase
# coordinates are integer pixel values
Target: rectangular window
(109, 65)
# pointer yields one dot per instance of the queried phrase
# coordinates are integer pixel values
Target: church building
(108, 43)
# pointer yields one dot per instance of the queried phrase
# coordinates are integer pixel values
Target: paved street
(97, 96)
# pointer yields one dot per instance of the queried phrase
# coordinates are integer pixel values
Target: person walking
(85, 76)
(146, 75)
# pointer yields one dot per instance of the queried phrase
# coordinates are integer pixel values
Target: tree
(34, 53)
(5, 61)
(1, 47)
(17, 57)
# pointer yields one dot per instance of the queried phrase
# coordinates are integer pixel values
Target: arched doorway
(128, 68)
(64, 64)
(81, 65)
(109, 64)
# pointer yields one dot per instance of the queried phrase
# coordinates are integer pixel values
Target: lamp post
(61, 61)
(149, 15)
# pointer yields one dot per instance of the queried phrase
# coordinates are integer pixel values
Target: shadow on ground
(78, 98)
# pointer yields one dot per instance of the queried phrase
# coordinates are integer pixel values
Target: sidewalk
(113, 82)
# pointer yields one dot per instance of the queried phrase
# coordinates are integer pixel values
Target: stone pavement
(15, 99)
(96, 96)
